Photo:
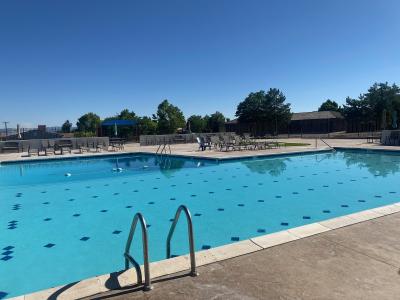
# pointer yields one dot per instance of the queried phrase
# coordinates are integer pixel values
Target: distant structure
(317, 122)
(40, 133)
(304, 122)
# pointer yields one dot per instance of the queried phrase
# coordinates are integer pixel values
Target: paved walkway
(356, 262)
(193, 149)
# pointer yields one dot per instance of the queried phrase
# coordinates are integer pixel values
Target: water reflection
(273, 167)
(376, 164)
(169, 166)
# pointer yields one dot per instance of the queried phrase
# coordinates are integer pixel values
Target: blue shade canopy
(119, 123)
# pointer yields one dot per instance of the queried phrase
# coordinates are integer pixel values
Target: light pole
(5, 126)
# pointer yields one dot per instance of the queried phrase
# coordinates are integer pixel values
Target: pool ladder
(129, 259)
(163, 148)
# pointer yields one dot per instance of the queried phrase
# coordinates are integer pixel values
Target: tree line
(262, 111)
(376, 109)
(167, 119)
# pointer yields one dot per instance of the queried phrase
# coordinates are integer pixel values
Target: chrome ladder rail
(129, 259)
(162, 149)
(191, 238)
(328, 145)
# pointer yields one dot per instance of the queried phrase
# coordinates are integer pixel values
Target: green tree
(264, 110)
(330, 105)
(382, 99)
(125, 114)
(147, 125)
(197, 123)
(277, 109)
(88, 122)
(215, 122)
(66, 127)
(169, 118)
(376, 109)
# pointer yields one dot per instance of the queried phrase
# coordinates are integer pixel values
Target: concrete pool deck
(360, 261)
(192, 150)
(326, 260)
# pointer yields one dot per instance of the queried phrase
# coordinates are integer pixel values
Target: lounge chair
(250, 144)
(215, 142)
(63, 146)
(226, 142)
(47, 147)
(238, 144)
(82, 147)
(203, 144)
(117, 144)
(100, 146)
(33, 151)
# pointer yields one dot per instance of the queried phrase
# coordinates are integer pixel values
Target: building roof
(316, 115)
(312, 115)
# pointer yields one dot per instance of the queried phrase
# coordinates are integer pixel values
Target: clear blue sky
(60, 59)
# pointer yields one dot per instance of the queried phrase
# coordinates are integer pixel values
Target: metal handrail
(328, 145)
(129, 259)
(191, 238)
(163, 149)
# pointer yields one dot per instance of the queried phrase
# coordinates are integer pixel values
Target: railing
(129, 259)
(191, 238)
(328, 145)
(162, 149)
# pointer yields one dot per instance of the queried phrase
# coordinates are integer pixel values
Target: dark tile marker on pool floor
(7, 257)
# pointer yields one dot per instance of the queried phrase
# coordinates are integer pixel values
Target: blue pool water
(56, 229)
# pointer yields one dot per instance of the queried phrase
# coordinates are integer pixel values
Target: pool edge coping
(97, 284)
(77, 156)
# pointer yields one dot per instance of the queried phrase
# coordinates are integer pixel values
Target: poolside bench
(10, 147)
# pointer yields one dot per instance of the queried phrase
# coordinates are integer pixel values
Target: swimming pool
(56, 229)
